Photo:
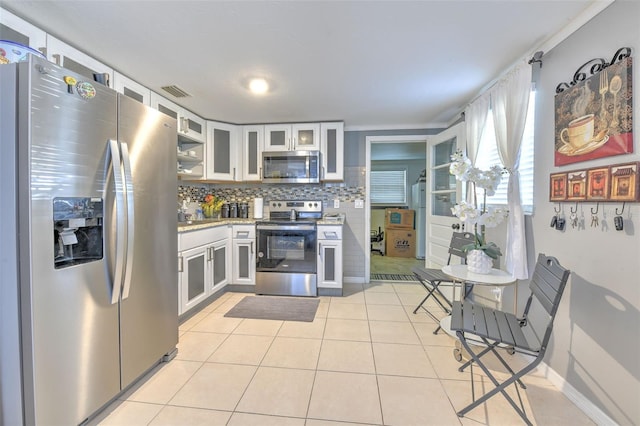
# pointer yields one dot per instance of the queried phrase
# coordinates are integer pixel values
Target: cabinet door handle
(251, 247)
(234, 173)
(180, 264)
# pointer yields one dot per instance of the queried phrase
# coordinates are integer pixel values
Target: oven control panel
(297, 205)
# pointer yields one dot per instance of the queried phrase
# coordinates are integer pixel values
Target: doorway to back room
(395, 175)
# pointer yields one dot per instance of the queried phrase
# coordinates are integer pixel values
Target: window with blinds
(488, 156)
(389, 187)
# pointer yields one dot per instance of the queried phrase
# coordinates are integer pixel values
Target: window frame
(488, 156)
(392, 169)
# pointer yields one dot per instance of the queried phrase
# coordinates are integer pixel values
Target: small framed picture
(558, 187)
(598, 184)
(577, 185)
(624, 182)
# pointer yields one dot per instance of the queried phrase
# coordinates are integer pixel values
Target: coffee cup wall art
(594, 117)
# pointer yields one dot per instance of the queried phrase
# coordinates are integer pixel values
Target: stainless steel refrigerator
(419, 204)
(89, 272)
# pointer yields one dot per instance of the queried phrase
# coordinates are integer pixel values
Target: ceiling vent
(176, 92)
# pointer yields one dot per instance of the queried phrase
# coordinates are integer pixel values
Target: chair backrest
(547, 286)
(459, 240)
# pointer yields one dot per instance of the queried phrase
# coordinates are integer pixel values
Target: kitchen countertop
(210, 223)
(194, 225)
(333, 219)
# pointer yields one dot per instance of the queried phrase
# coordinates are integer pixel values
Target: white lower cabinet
(194, 273)
(244, 255)
(330, 257)
(203, 265)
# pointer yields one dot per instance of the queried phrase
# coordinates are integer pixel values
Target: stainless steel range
(286, 255)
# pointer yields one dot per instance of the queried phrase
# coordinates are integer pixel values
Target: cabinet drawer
(191, 239)
(244, 232)
(329, 232)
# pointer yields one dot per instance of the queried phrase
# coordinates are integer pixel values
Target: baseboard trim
(587, 407)
(353, 280)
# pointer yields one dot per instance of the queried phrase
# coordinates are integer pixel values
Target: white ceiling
(373, 64)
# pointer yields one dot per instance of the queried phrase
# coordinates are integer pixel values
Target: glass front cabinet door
(252, 146)
(244, 255)
(332, 149)
(219, 264)
(194, 276)
(330, 264)
(222, 155)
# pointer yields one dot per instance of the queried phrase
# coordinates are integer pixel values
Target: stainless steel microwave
(291, 166)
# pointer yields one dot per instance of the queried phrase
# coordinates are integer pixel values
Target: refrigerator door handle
(116, 169)
(130, 220)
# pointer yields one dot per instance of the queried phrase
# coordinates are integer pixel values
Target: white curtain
(510, 101)
(475, 117)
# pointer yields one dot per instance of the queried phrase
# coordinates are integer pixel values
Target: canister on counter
(233, 209)
(243, 210)
(225, 210)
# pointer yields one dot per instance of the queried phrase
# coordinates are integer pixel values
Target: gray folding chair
(529, 334)
(431, 278)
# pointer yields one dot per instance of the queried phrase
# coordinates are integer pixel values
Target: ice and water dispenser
(78, 230)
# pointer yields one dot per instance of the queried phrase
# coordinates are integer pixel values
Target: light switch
(336, 203)
(359, 204)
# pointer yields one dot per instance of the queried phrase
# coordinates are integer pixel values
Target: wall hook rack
(597, 208)
(622, 211)
(576, 209)
(558, 209)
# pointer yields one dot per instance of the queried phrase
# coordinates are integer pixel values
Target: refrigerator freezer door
(418, 203)
(149, 308)
(69, 327)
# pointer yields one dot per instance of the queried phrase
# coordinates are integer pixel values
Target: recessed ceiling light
(258, 86)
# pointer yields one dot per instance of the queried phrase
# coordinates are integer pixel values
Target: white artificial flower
(466, 212)
(488, 180)
(493, 217)
(460, 167)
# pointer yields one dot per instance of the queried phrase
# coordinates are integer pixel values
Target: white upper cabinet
(277, 137)
(191, 147)
(71, 58)
(192, 125)
(292, 137)
(306, 136)
(222, 152)
(252, 146)
(189, 125)
(130, 88)
(332, 148)
(17, 30)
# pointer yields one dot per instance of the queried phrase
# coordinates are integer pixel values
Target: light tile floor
(365, 359)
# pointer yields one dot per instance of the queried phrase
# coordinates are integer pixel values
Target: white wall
(596, 344)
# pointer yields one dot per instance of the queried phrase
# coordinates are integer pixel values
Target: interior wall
(595, 341)
(414, 168)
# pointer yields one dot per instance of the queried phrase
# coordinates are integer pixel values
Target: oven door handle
(286, 227)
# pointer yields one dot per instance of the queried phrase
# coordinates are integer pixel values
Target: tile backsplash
(353, 188)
